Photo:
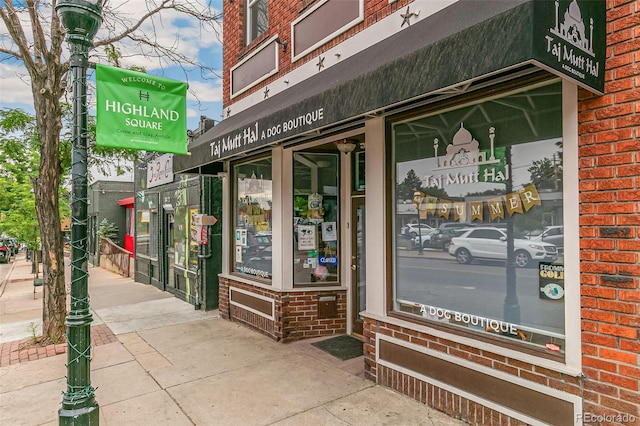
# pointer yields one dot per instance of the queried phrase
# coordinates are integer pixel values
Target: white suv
(491, 244)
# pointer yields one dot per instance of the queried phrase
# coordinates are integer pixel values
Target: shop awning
(464, 42)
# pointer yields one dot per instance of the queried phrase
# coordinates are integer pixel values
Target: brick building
(509, 120)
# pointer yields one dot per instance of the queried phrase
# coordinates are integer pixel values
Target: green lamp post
(81, 19)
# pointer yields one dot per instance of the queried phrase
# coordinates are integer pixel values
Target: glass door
(358, 262)
(169, 252)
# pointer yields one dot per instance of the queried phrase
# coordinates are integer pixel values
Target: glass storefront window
(147, 226)
(184, 236)
(315, 227)
(485, 181)
(252, 218)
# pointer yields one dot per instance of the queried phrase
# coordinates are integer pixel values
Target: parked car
(13, 245)
(553, 235)
(256, 243)
(437, 238)
(5, 251)
(442, 238)
(424, 239)
(261, 263)
(490, 243)
(411, 230)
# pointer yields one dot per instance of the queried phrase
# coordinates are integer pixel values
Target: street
(436, 279)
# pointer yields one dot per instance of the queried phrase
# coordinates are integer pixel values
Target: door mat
(344, 347)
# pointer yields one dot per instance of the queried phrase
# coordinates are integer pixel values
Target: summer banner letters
(140, 111)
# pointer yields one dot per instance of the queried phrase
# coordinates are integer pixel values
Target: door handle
(353, 267)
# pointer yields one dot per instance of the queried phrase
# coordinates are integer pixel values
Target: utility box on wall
(327, 305)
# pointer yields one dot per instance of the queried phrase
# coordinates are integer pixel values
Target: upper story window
(257, 19)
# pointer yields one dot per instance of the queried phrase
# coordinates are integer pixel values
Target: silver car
(553, 235)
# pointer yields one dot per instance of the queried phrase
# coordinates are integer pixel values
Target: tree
(33, 36)
(108, 230)
(19, 146)
(411, 183)
(406, 188)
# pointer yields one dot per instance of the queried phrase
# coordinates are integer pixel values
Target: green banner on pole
(140, 111)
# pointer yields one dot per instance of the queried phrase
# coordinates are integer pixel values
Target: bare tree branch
(13, 24)
(39, 41)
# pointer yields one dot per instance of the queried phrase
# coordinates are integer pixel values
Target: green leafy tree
(108, 230)
(547, 174)
(33, 37)
(411, 183)
(406, 188)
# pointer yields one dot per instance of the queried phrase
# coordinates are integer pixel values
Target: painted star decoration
(406, 17)
(320, 63)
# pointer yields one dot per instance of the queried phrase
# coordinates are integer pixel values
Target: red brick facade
(281, 14)
(609, 161)
(295, 313)
(609, 197)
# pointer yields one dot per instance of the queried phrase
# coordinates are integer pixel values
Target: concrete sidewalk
(157, 361)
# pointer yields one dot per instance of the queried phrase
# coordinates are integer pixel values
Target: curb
(6, 280)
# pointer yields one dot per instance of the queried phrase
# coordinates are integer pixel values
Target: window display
(315, 205)
(495, 168)
(252, 221)
(147, 226)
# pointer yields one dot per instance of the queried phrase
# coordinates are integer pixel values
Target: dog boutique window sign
(465, 163)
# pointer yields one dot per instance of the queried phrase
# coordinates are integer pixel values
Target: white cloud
(170, 28)
(15, 86)
(205, 91)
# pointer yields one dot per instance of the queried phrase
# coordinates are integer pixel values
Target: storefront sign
(140, 111)
(160, 171)
(486, 324)
(570, 39)
(261, 133)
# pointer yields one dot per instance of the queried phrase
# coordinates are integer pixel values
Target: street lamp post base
(85, 416)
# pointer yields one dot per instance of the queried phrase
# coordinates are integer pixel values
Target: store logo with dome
(572, 39)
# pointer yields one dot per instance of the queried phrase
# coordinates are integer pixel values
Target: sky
(172, 29)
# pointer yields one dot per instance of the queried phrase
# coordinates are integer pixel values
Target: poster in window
(241, 237)
(306, 237)
(329, 231)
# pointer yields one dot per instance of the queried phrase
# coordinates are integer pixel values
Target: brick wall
(281, 14)
(454, 405)
(609, 158)
(295, 312)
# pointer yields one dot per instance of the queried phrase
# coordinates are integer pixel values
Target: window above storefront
(491, 170)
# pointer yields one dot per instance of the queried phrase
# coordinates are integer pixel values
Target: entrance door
(358, 260)
(169, 253)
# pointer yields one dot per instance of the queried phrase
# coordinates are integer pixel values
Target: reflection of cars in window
(437, 238)
(411, 230)
(553, 235)
(256, 242)
(491, 244)
(260, 263)
(425, 238)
